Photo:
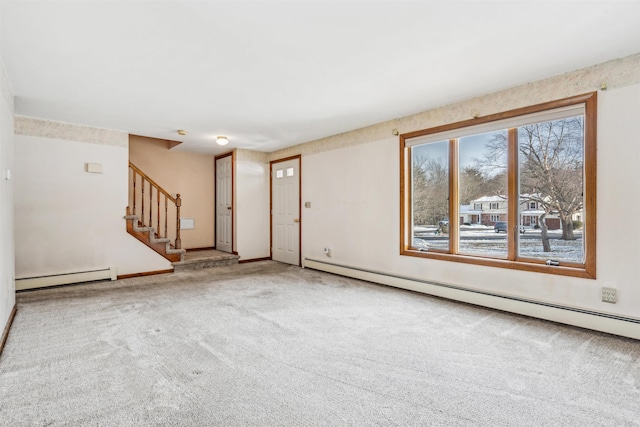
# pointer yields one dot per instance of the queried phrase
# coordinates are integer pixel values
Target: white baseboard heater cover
(65, 278)
(603, 322)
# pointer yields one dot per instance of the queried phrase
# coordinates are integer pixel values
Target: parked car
(502, 226)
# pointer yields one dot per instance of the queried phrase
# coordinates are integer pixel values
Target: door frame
(233, 198)
(271, 163)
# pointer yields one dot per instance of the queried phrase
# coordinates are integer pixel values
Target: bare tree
(551, 168)
(544, 230)
(493, 166)
(430, 190)
(473, 184)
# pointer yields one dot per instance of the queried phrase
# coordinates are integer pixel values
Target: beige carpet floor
(266, 344)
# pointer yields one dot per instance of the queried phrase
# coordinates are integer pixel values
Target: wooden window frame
(585, 270)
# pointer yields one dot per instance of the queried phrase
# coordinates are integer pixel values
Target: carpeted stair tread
(197, 260)
(160, 245)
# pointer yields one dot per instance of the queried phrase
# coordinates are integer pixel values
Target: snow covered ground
(483, 240)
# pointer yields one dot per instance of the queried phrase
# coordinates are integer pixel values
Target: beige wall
(252, 204)
(68, 220)
(189, 174)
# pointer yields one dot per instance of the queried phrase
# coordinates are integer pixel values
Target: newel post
(178, 204)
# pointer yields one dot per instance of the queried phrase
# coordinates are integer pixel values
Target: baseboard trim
(5, 333)
(244, 261)
(144, 273)
(597, 321)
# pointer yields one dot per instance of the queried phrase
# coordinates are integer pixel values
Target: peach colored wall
(190, 174)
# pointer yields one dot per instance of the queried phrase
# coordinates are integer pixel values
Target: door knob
(229, 207)
(296, 220)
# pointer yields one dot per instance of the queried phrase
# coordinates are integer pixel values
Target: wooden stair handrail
(177, 201)
(146, 177)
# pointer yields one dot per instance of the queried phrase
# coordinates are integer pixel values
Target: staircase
(147, 235)
(149, 210)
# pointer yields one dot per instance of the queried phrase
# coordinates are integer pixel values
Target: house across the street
(487, 210)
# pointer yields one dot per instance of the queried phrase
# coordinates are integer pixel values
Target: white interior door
(285, 211)
(224, 205)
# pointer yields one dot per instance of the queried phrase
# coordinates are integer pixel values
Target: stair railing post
(142, 198)
(134, 191)
(178, 204)
(150, 205)
(158, 223)
(166, 216)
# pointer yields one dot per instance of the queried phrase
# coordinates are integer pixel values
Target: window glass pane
(482, 194)
(551, 160)
(289, 171)
(430, 196)
(279, 173)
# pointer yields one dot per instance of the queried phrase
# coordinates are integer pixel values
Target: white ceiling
(270, 74)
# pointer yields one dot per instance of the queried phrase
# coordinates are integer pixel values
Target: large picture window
(514, 190)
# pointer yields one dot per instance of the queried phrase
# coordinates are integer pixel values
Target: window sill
(573, 270)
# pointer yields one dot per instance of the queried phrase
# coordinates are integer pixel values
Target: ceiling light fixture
(222, 140)
(182, 132)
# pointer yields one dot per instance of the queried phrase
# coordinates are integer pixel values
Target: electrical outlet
(609, 295)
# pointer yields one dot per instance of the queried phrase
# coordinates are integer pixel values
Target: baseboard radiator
(617, 325)
(65, 278)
